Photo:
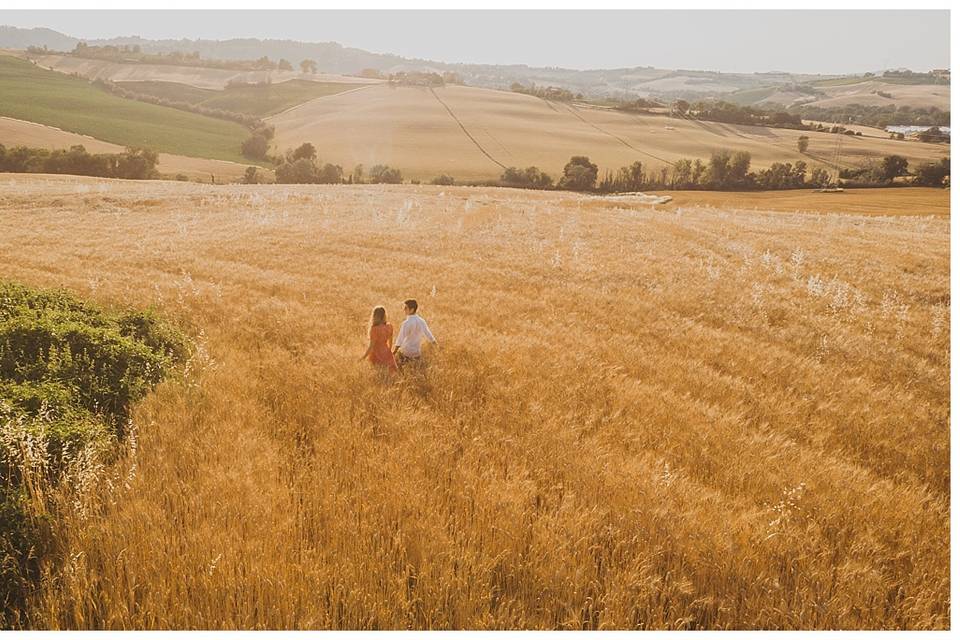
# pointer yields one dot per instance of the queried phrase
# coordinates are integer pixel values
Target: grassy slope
(170, 90)
(254, 99)
(30, 93)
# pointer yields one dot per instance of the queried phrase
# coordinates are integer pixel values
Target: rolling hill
(30, 93)
(30, 134)
(201, 77)
(473, 133)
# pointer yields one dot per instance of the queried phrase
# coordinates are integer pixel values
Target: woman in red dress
(380, 350)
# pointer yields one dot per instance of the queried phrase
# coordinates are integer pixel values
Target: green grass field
(750, 96)
(255, 99)
(839, 82)
(28, 92)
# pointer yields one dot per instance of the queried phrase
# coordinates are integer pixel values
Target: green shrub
(70, 373)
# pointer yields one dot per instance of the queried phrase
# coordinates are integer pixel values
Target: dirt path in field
(573, 111)
(467, 133)
(331, 95)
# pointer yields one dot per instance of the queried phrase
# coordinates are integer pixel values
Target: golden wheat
(639, 418)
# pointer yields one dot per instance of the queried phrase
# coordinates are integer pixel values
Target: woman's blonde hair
(378, 317)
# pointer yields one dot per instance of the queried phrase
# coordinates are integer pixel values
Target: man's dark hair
(410, 304)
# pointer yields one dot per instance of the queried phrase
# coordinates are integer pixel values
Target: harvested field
(913, 201)
(675, 417)
(470, 133)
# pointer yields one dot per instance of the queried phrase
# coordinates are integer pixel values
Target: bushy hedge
(70, 374)
(133, 164)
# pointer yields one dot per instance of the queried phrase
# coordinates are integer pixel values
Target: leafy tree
(308, 66)
(255, 147)
(932, 174)
(579, 174)
(357, 176)
(302, 171)
(306, 150)
(443, 180)
(739, 169)
(803, 143)
(284, 65)
(892, 167)
(820, 177)
(330, 174)
(718, 168)
(682, 173)
(681, 107)
(382, 174)
(250, 176)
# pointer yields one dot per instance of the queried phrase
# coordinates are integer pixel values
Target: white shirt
(412, 332)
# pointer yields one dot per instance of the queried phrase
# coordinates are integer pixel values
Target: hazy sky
(797, 41)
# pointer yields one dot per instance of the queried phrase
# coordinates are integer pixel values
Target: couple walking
(383, 351)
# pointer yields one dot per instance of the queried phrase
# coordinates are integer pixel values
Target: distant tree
(803, 143)
(356, 177)
(255, 147)
(330, 174)
(306, 150)
(697, 172)
(264, 63)
(739, 170)
(284, 65)
(250, 176)
(308, 66)
(443, 180)
(819, 177)
(301, 171)
(718, 167)
(529, 178)
(800, 173)
(137, 163)
(932, 174)
(579, 174)
(681, 107)
(382, 174)
(892, 167)
(682, 172)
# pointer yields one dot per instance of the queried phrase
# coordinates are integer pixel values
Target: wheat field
(671, 418)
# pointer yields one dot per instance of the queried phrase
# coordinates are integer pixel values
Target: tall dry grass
(638, 419)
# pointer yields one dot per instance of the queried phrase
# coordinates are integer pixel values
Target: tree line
(723, 171)
(302, 166)
(246, 120)
(880, 116)
(558, 94)
(135, 163)
(133, 54)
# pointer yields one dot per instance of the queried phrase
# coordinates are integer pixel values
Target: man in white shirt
(413, 332)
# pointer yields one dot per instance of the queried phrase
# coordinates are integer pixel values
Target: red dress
(381, 335)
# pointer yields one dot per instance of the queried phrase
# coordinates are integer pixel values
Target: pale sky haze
(734, 41)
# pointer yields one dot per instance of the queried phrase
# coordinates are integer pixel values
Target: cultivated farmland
(473, 133)
(675, 417)
(251, 99)
(30, 134)
(202, 77)
(30, 93)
